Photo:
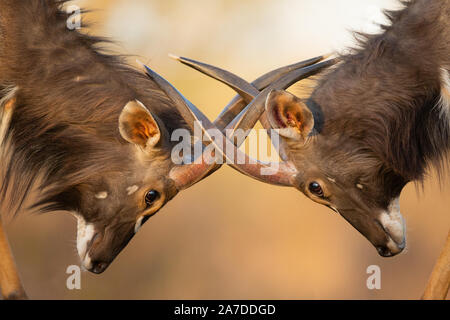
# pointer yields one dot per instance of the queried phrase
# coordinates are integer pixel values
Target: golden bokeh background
(230, 237)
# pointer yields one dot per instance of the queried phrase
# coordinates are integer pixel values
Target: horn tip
(140, 64)
(149, 71)
(175, 57)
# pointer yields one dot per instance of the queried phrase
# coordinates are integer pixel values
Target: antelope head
(330, 167)
(112, 206)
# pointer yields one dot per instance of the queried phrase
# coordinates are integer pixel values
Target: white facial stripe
(132, 189)
(138, 224)
(392, 220)
(444, 102)
(102, 195)
(85, 232)
(80, 78)
(332, 180)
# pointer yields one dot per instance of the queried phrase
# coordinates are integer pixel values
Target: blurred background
(230, 237)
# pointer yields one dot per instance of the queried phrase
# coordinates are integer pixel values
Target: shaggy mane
(385, 91)
(69, 96)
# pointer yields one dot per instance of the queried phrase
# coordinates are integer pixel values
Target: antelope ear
(289, 115)
(137, 125)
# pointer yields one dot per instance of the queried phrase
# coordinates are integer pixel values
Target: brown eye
(316, 189)
(151, 197)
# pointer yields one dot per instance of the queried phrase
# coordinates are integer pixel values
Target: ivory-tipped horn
(237, 103)
(186, 175)
(247, 90)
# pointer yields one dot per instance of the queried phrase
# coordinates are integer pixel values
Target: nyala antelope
(379, 120)
(89, 135)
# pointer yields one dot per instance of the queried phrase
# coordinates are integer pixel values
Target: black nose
(384, 251)
(98, 267)
(391, 248)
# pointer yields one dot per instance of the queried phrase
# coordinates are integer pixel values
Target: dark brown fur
(379, 123)
(383, 96)
(65, 124)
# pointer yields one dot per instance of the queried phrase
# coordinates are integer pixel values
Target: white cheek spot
(132, 189)
(138, 224)
(102, 195)
(359, 186)
(392, 220)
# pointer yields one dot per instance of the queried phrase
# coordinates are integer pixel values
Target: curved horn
(257, 105)
(246, 90)
(187, 175)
